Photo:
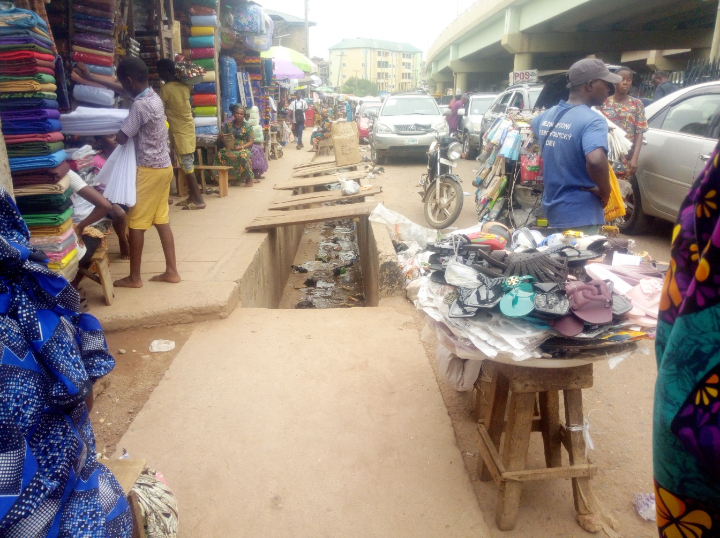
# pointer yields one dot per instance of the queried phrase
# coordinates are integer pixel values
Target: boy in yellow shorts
(146, 124)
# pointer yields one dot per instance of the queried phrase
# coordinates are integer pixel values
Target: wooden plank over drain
(324, 169)
(321, 197)
(308, 216)
(317, 181)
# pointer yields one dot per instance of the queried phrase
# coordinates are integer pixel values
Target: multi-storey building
(392, 66)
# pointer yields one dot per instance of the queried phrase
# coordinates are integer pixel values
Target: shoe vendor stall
(520, 326)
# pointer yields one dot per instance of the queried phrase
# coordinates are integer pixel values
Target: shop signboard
(523, 77)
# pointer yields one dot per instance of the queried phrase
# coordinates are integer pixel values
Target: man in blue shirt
(573, 139)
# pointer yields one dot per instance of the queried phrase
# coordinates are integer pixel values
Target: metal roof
(290, 19)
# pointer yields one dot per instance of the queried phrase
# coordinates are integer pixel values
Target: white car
(683, 131)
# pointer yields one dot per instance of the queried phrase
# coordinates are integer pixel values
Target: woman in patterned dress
(628, 113)
(238, 139)
(324, 130)
(686, 417)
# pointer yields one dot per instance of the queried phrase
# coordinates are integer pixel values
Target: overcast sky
(392, 20)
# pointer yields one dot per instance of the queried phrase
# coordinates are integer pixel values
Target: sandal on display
(567, 325)
(551, 300)
(519, 299)
(591, 302)
(459, 310)
(488, 294)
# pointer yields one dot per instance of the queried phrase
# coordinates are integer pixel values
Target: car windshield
(479, 105)
(421, 106)
(534, 94)
(368, 109)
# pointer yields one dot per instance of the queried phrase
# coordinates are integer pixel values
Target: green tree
(360, 87)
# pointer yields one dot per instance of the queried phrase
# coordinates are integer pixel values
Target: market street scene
(300, 269)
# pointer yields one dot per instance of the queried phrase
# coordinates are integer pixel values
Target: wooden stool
(325, 146)
(523, 391)
(99, 272)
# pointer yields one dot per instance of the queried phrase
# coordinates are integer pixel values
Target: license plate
(411, 141)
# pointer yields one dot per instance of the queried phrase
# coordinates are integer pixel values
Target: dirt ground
(120, 395)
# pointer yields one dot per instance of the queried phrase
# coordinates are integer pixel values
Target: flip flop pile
(533, 284)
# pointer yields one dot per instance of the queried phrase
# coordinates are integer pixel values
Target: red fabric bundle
(202, 53)
(93, 59)
(23, 70)
(204, 100)
(35, 177)
(201, 10)
(44, 137)
(10, 55)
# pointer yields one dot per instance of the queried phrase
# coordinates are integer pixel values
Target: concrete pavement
(307, 423)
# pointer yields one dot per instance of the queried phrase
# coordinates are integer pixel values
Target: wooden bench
(99, 272)
(222, 177)
(325, 147)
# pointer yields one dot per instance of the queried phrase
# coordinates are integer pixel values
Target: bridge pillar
(461, 82)
(523, 61)
(440, 88)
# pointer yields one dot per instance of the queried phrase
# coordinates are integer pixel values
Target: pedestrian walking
(298, 108)
(573, 140)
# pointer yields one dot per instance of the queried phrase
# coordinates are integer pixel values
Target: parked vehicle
(520, 96)
(442, 193)
(363, 120)
(471, 124)
(683, 130)
(405, 125)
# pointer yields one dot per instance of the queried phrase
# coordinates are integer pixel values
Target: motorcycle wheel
(376, 156)
(442, 214)
(468, 151)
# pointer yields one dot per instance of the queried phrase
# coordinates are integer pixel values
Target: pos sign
(523, 77)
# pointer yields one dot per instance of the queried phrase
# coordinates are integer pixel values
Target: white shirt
(357, 110)
(81, 207)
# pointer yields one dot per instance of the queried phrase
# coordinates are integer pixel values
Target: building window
(362, 64)
(344, 76)
(344, 64)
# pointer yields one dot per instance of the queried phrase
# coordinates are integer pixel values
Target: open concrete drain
(327, 270)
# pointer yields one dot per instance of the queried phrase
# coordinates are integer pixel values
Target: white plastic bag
(119, 175)
(459, 274)
(93, 95)
(348, 187)
(460, 374)
(402, 228)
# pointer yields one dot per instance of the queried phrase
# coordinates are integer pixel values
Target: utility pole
(307, 30)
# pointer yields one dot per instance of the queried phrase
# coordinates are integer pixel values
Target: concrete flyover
(494, 37)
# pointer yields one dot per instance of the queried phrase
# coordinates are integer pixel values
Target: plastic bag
(249, 19)
(159, 346)
(348, 187)
(530, 167)
(263, 42)
(119, 175)
(402, 228)
(615, 207)
(460, 275)
(461, 374)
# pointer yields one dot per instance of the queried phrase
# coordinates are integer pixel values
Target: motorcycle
(442, 193)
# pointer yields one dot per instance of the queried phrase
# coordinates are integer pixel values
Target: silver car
(683, 130)
(401, 125)
(471, 124)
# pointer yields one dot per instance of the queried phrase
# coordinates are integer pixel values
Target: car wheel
(635, 221)
(376, 156)
(469, 152)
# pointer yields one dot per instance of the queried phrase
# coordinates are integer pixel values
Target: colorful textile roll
(101, 70)
(205, 122)
(202, 53)
(208, 64)
(201, 10)
(95, 41)
(29, 115)
(202, 100)
(207, 130)
(201, 41)
(26, 86)
(93, 95)
(205, 111)
(20, 164)
(94, 59)
(202, 30)
(204, 20)
(205, 88)
(27, 104)
(209, 76)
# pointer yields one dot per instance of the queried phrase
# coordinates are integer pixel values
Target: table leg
(514, 455)
(550, 427)
(494, 413)
(223, 182)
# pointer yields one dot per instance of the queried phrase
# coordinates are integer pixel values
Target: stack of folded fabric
(94, 45)
(31, 127)
(150, 54)
(81, 161)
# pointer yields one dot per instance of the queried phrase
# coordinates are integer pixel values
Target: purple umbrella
(284, 69)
